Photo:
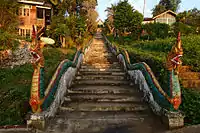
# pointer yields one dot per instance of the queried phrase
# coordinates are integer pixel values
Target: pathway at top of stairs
(101, 99)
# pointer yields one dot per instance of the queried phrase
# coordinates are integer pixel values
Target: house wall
(166, 18)
(28, 17)
(147, 22)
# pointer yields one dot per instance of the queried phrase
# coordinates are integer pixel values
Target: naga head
(36, 53)
(37, 46)
(174, 56)
(36, 49)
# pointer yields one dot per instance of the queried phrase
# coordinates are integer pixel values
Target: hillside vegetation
(15, 85)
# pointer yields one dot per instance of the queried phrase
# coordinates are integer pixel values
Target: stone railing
(40, 120)
(141, 75)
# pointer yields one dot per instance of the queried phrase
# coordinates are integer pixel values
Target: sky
(138, 5)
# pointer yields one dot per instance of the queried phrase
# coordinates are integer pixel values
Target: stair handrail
(170, 100)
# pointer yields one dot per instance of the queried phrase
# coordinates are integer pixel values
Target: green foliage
(183, 28)
(70, 26)
(15, 86)
(190, 18)
(8, 40)
(190, 106)
(158, 10)
(154, 54)
(8, 24)
(165, 5)
(156, 30)
(158, 49)
(8, 16)
(126, 19)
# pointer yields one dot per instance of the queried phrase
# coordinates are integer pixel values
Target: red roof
(148, 19)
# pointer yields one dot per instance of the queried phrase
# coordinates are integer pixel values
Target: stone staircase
(101, 99)
(190, 79)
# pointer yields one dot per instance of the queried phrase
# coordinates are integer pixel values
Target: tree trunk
(63, 41)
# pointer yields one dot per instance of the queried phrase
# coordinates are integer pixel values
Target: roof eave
(164, 13)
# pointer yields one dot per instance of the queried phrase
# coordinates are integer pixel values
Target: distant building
(167, 17)
(100, 22)
(33, 12)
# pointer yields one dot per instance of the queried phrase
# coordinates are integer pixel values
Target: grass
(15, 86)
(154, 54)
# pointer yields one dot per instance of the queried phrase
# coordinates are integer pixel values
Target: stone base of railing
(37, 122)
(173, 120)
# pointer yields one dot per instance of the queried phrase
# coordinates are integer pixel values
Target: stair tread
(101, 69)
(100, 115)
(100, 73)
(189, 76)
(118, 77)
(103, 89)
(111, 106)
(105, 82)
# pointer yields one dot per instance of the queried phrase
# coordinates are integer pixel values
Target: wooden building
(167, 17)
(33, 12)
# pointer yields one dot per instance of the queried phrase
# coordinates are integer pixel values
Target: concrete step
(102, 89)
(111, 106)
(109, 124)
(100, 100)
(119, 98)
(190, 75)
(103, 66)
(101, 73)
(98, 77)
(191, 84)
(101, 115)
(97, 70)
(185, 69)
(94, 61)
(99, 63)
(17, 130)
(102, 82)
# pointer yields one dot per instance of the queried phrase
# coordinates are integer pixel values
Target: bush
(183, 28)
(155, 30)
(15, 85)
(154, 54)
(8, 40)
(190, 106)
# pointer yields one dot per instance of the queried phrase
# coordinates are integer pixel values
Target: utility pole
(144, 7)
(77, 7)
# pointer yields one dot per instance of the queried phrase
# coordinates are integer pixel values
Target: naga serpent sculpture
(171, 98)
(37, 92)
(41, 98)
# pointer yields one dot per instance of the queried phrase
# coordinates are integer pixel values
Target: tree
(165, 5)
(158, 10)
(190, 18)
(110, 18)
(126, 19)
(8, 24)
(8, 16)
(90, 14)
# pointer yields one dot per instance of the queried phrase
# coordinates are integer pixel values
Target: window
(24, 32)
(28, 31)
(20, 11)
(27, 12)
(47, 17)
(24, 11)
(39, 13)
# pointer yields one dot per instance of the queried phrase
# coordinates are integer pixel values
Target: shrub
(183, 28)
(155, 30)
(154, 54)
(8, 40)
